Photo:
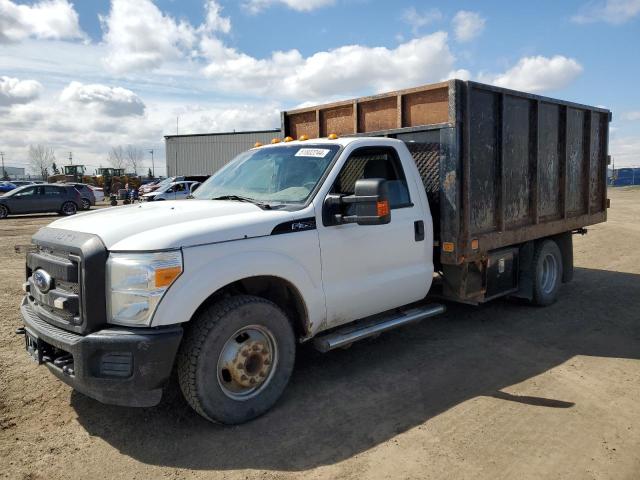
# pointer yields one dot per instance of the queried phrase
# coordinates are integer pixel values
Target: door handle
(418, 228)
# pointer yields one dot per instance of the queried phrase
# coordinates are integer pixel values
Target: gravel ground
(504, 390)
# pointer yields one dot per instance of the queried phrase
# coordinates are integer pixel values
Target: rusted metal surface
(512, 166)
(426, 105)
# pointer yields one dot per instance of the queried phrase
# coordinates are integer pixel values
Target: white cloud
(460, 74)
(626, 151)
(47, 19)
(537, 74)
(14, 91)
(467, 25)
(214, 21)
(352, 69)
(139, 37)
(635, 115)
(112, 101)
(255, 6)
(609, 11)
(417, 19)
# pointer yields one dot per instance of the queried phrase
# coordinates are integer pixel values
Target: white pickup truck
(329, 239)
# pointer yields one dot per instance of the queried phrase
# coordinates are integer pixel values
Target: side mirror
(371, 200)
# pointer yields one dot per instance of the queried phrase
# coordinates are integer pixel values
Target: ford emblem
(42, 280)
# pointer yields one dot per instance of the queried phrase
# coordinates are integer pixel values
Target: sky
(84, 76)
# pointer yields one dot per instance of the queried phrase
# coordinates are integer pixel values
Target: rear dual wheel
(236, 359)
(547, 263)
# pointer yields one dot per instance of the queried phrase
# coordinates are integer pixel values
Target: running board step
(353, 333)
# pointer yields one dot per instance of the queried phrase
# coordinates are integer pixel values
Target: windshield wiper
(238, 198)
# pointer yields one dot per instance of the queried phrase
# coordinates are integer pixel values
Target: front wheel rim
(86, 204)
(247, 362)
(549, 273)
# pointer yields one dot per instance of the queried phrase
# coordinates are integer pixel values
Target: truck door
(370, 269)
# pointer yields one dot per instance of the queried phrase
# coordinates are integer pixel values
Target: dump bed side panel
(534, 167)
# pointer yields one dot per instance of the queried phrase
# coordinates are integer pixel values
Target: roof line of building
(222, 133)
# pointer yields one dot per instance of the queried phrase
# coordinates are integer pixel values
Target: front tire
(547, 263)
(236, 359)
(68, 209)
(4, 212)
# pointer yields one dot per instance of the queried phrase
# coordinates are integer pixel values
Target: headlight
(136, 282)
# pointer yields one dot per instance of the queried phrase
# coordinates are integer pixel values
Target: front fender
(207, 269)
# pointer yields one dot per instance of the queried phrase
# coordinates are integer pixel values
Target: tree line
(43, 158)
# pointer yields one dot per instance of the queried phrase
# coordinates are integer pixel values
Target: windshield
(282, 174)
(164, 183)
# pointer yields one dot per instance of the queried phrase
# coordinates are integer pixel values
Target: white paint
(342, 272)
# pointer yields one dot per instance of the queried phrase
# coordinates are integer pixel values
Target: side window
(180, 187)
(52, 191)
(374, 163)
(27, 192)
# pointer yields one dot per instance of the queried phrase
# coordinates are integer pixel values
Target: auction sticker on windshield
(312, 152)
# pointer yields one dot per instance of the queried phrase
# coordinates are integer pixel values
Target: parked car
(173, 191)
(22, 183)
(87, 194)
(6, 187)
(151, 187)
(98, 193)
(62, 199)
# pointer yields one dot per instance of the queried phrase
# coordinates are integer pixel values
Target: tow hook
(20, 331)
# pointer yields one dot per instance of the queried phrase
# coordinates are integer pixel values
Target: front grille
(75, 263)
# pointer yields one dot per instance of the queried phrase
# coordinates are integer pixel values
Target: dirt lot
(501, 391)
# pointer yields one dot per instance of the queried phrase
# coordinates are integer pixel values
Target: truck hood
(174, 224)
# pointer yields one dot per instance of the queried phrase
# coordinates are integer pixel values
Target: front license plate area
(34, 347)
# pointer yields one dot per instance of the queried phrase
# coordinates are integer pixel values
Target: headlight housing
(136, 282)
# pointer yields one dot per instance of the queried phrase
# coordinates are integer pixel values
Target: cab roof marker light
(275, 140)
(257, 145)
(288, 139)
(332, 136)
(302, 138)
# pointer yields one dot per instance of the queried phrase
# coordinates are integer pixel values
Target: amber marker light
(383, 208)
(166, 276)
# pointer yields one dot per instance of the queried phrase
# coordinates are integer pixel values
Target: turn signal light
(332, 136)
(275, 140)
(288, 139)
(447, 247)
(383, 208)
(166, 276)
(302, 138)
(475, 244)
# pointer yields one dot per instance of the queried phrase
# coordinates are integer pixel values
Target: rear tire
(68, 209)
(236, 359)
(86, 204)
(547, 271)
(4, 212)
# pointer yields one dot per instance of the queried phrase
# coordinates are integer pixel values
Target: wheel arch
(273, 288)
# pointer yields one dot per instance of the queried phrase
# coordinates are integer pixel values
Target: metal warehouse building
(204, 154)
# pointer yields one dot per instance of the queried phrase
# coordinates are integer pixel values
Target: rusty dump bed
(501, 167)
